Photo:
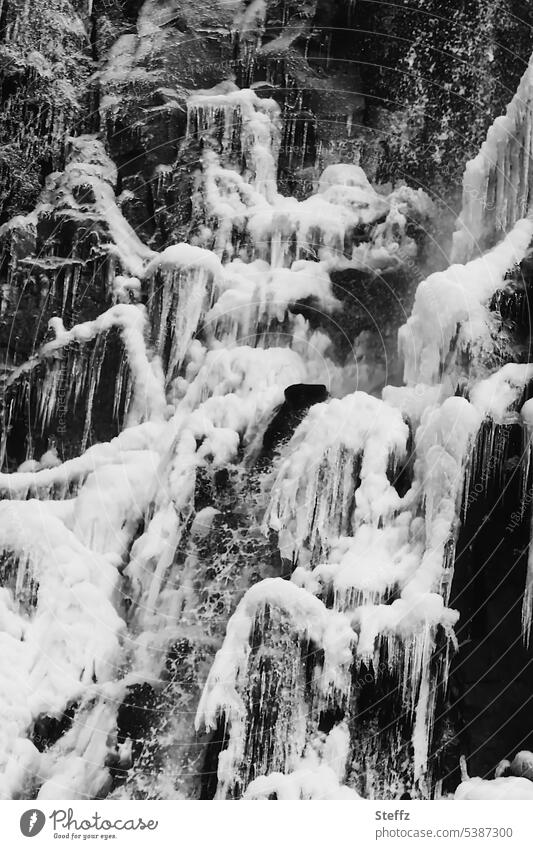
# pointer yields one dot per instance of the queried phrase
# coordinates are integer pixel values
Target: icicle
(312, 495)
(228, 106)
(74, 587)
(222, 694)
(497, 184)
(373, 567)
(190, 277)
(316, 775)
(424, 708)
(122, 388)
(527, 603)
(455, 297)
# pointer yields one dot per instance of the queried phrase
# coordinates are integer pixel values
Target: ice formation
(512, 780)
(497, 788)
(101, 553)
(497, 184)
(317, 776)
(454, 302)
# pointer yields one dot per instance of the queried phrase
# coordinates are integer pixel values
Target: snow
(209, 359)
(254, 295)
(497, 183)
(75, 471)
(318, 775)
(281, 229)
(527, 413)
(476, 789)
(148, 394)
(88, 166)
(75, 765)
(372, 542)
(50, 459)
(522, 765)
(126, 289)
(309, 618)
(259, 134)
(457, 296)
(184, 256)
(307, 615)
(412, 401)
(317, 468)
(203, 521)
(73, 637)
(496, 395)
(183, 281)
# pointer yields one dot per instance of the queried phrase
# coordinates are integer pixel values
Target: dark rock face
(45, 64)
(94, 413)
(298, 399)
(48, 729)
(217, 744)
(328, 65)
(485, 713)
(374, 305)
(134, 715)
(491, 678)
(435, 73)
(444, 75)
(219, 566)
(302, 395)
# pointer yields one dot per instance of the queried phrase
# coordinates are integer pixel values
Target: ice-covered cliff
(239, 549)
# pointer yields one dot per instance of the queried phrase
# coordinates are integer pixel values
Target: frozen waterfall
(250, 600)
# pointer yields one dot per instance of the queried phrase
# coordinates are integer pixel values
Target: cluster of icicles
(199, 400)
